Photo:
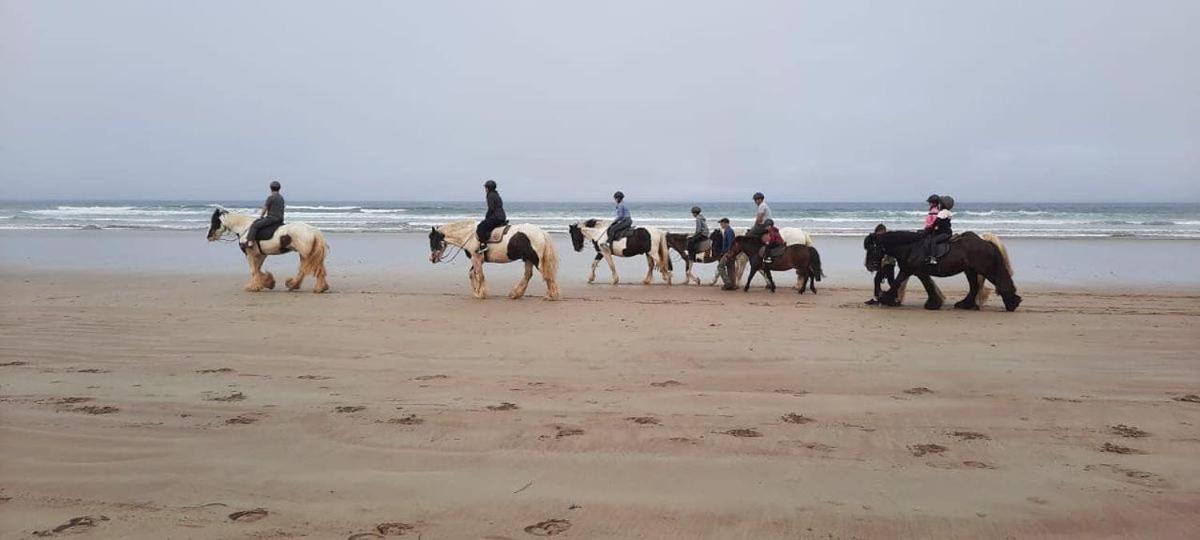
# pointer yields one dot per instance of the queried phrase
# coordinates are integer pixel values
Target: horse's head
(735, 249)
(875, 252)
(576, 236)
(217, 227)
(437, 244)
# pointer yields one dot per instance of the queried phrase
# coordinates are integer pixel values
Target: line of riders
(921, 254)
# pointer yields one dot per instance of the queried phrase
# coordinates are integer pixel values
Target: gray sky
(690, 100)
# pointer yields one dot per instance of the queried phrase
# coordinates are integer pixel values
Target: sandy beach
(168, 404)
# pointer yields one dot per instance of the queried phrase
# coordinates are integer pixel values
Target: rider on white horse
(271, 214)
(495, 216)
(623, 221)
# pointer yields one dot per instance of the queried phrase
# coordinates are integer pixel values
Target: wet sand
(163, 403)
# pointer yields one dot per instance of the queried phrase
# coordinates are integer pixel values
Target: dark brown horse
(979, 257)
(678, 242)
(803, 259)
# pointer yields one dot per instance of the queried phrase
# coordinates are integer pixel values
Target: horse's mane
(900, 238)
(593, 223)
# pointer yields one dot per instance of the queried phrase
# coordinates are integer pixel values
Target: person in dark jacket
(495, 216)
(887, 271)
(272, 214)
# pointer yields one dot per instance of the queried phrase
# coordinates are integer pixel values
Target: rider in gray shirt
(272, 214)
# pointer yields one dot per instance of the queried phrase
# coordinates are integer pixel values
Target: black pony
(978, 257)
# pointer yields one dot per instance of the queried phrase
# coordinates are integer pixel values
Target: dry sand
(161, 405)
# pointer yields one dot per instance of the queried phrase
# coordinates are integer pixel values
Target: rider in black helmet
(272, 214)
(623, 221)
(494, 218)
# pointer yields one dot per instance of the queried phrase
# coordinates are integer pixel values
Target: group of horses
(982, 258)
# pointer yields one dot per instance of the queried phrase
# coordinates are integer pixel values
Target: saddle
(265, 233)
(940, 249)
(498, 233)
(703, 246)
(776, 251)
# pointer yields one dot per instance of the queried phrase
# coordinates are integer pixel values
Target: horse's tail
(814, 264)
(995, 241)
(314, 260)
(549, 266)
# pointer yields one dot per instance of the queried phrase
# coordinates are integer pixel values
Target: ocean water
(1055, 220)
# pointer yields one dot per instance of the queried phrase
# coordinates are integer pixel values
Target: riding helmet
(490, 184)
(947, 202)
(933, 199)
(758, 195)
(275, 186)
(619, 196)
(769, 223)
(695, 209)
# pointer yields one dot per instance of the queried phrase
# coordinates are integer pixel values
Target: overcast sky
(690, 100)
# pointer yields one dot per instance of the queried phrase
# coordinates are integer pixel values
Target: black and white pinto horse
(302, 238)
(508, 243)
(643, 241)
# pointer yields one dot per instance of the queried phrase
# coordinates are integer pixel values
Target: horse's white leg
(612, 267)
(519, 290)
(258, 279)
(595, 263)
(294, 283)
(478, 281)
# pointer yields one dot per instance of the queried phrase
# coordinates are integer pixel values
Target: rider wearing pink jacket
(931, 216)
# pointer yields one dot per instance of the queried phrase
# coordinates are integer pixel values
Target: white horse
(299, 237)
(645, 241)
(508, 243)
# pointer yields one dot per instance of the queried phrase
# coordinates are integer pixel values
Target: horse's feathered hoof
(933, 307)
(1011, 304)
(970, 307)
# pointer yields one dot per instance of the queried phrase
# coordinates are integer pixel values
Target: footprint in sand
(217, 370)
(919, 450)
(14, 363)
(505, 406)
(977, 465)
(241, 420)
(793, 418)
(91, 370)
(236, 396)
(810, 446)
(349, 409)
(410, 420)
(970, 436)
(549, 527)
(567, 431)
(364, 536)
(666, 384)
(1133, 476)
(742, 432)
(917, 391)
(75, 524)
(430, 377)
(1130, 432)
(248, 516)
(96, 409)
(644, 420)
(1118, 449)
(796, 393)
(395, 528)
(314, 377)
(1189, 398)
